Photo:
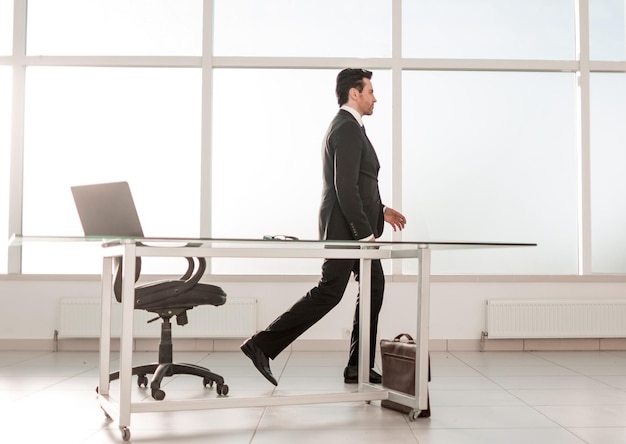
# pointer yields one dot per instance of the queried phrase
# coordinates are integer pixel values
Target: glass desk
(365, 252)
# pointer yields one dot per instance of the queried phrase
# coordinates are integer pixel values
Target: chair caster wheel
(222, 389)
(207, 381)
(159, 395)
(142, 380)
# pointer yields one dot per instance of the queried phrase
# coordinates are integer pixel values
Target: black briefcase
(398, 359)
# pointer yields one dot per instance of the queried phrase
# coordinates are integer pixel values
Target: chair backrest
(117, 283)
(146, 295)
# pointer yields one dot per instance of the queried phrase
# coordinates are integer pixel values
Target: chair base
(160, 371)
(166, 367)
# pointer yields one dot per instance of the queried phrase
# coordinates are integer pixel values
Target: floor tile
(462, 382)
(497, 436)
(548, 382)
(613, 381)
(336, 436)
(472, 398)
(524, 370)
(485, 417)
(358, 415)
(586, 416)
(601, 435)
(571, 397)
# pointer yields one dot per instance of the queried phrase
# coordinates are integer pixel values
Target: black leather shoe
(259, 359)
(351, 376)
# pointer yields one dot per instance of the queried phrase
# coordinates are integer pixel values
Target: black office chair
(169, 298)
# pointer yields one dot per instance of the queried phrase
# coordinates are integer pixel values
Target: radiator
(80, 318)
(571, 318)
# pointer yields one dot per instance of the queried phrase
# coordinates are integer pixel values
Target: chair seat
(162, 294)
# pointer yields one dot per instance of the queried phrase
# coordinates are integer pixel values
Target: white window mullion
(396, 120)
(206, 121)
(14, 263)
(584, 140)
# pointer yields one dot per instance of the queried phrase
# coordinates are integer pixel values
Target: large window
(287, 28)
(477, 124)
(607, 36)
(114, 27)
(91, 125)
(492, 157)
(608, 182)
(6, 26)
(488, 29)
(5, 156)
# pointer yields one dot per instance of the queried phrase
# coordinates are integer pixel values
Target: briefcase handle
(399, 338)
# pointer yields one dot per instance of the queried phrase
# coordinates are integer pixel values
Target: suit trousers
(318, 302)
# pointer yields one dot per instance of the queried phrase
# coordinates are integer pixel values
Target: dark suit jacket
(351, 208)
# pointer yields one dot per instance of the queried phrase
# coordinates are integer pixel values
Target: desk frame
(121, 411)
(129, 249)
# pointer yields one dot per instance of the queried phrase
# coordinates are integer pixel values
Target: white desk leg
(105, 325)
(365, 308)
(423, 329)
(126, 336)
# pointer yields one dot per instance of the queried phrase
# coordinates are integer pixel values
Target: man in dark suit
(351, 209)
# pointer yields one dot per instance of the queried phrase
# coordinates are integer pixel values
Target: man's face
(365, 99)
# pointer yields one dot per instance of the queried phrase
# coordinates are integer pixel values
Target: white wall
(29, 304)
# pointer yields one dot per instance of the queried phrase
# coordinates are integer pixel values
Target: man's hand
(394, 218)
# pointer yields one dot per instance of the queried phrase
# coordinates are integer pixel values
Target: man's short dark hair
(350, 78)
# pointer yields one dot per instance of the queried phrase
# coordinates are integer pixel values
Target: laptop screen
(107, 209)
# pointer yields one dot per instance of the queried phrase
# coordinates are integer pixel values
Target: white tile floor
(491, 397)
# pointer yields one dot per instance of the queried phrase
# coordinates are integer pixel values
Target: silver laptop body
(107, 209)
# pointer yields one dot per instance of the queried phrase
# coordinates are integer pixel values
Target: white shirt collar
(354, 112)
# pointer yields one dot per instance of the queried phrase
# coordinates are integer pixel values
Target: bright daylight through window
(476, 127)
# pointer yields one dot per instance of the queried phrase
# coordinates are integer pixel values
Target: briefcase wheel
(414, 414)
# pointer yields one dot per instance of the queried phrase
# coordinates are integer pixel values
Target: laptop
(107, 209)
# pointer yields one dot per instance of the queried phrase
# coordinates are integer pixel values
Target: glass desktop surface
(108, 241)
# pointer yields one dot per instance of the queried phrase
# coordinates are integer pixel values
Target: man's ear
(353, 93)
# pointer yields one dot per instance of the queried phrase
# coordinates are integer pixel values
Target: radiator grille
(80, 318)
(575, 318)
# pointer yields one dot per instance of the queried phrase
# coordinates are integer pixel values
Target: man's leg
(377, 291)
(308, 310)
